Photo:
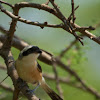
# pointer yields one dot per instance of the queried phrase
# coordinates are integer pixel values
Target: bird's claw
(30, 91)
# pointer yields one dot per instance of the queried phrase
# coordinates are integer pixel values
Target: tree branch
(54, 12)
(4, 86)
(73, 13)
(87, 33)
(57, 81)
(7, 55)
(7, 4)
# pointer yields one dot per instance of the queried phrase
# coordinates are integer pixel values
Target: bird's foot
(30, 91)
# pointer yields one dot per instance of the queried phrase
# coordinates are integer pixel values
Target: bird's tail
(49, 91)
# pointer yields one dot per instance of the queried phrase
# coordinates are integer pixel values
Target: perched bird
(30, 71)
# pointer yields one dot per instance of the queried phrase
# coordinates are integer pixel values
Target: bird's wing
(39, 67)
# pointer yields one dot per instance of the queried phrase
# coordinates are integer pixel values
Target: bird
(30, 71)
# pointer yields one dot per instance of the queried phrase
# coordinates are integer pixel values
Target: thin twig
(4, 79)
(6, 3)
(62, 17)
(73, 11)
(85, 28)
(79, 38)
(57, 81)
(68, 48)
(69, 18)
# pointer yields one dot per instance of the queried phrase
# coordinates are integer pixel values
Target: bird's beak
(39, 51)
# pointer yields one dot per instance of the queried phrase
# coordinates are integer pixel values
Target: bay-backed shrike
(30, 71)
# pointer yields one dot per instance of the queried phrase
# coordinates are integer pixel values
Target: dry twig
(57, 81)
(73, 13)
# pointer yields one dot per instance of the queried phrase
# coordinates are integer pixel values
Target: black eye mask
(30, 50)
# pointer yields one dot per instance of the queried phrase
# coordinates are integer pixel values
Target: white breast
(27, 68)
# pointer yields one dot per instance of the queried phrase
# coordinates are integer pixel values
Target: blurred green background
(86, 62)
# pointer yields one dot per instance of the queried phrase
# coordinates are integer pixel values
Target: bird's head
(30, 50)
